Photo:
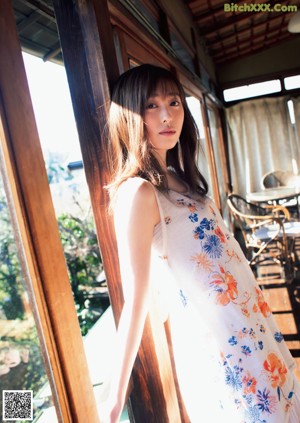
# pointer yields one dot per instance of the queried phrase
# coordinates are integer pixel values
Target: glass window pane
(203, 164)
(217, 150)
(61, 149)
(21, 358)
(252, 90)
(292, 82)
(53, 110)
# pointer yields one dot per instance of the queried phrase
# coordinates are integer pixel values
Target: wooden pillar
(89, 56)
(24, 164)
(211, 160)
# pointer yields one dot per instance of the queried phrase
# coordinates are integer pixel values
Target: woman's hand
(109, 413)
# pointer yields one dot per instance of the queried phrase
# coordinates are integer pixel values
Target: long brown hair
(129, 152)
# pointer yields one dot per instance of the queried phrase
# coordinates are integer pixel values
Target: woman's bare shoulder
(136, 189)
(137, 194)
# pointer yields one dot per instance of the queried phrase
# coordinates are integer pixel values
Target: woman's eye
(151, 106)
(175, 103)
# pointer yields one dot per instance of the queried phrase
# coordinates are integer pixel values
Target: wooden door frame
(53, 301)
(91, 66)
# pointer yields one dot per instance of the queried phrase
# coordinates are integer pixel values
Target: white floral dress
(232, 363)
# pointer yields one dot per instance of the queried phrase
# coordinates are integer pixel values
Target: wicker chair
(285, 178)
(263, 231)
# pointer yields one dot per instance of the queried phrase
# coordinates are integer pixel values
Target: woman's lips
(168, 132)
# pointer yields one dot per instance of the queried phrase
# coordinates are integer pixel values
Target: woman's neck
(161, 157)
(175, 183)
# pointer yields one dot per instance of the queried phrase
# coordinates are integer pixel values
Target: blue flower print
(198, 233)
(246, 350)
(193, 217)
(260, 345)
(233, 378)
(278, 336)
(168, 220)
(212, 224)
(266, 402)
(213, 246)
(262, 329)
(251, 333)
(203, 226)
(233, 340)
(252, 415)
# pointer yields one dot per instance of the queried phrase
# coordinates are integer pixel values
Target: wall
(277, 60)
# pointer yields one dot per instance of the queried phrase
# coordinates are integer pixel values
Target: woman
(231, 361)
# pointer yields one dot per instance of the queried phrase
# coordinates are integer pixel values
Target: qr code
(17, 405)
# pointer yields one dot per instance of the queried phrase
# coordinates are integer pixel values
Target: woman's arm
(136, 214)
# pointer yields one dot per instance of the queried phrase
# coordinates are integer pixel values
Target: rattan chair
(263, 231)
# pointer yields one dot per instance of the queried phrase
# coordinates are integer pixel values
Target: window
(21, 358)
(252, 90)
(292, 82)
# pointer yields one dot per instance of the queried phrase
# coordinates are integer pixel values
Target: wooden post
(211, 160)
(90, 61)
(38, 228)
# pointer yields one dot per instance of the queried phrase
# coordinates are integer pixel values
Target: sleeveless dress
(232, 363)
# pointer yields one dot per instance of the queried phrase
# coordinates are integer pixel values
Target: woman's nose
(166, 115)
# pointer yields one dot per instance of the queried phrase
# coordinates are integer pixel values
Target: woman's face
(163, 119)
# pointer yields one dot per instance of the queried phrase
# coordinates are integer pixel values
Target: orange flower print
(276, 370)
(192, 207)
(232, 254)
(245, 311)
(220, 234)
(249, 384)
(225, 287)
(203, 261)
(212, 210)
(261, 304)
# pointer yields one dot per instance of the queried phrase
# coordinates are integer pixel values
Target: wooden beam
(39, 230)
(229, 22)
(229, 57)
(89, 56)
(209, 12)
(260, 39)
(56, 49)
(28, 20)
(41, 7)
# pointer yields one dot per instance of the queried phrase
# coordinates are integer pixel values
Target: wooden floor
(284, 299)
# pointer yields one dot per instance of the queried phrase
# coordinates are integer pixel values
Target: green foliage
(83, 261)
(84, 264)
(10, 272)
(55, 171)
(26, 375)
